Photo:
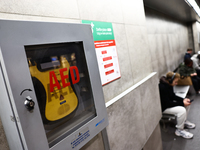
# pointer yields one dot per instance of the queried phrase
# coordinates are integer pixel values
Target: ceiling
(177, 9)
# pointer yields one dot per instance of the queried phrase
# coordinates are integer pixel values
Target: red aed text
(52, 77)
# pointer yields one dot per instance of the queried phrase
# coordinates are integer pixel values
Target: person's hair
(189, 49)
(188, 61)
(170, 74)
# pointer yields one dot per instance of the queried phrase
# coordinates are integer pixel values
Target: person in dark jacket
(172, 104)
(188, 54)
(187, 70)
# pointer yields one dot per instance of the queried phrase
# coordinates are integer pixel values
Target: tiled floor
(173, 142)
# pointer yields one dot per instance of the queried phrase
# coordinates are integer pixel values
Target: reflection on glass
(62, 87)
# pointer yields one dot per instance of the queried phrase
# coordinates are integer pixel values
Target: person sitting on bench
(196, 62)
(172, 104)
(188, 54)
(187, 70)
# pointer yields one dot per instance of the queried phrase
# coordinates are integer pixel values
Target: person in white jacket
(196, 62)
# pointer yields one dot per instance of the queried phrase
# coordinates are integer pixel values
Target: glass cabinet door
(62, 86)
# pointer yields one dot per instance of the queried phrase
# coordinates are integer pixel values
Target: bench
(180, 91)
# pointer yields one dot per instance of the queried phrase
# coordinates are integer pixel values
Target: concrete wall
(168, 41)
(154, 142)
(144, 44)
(196, 35)
(133, 118)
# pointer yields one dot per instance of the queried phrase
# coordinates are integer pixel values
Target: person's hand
(193, 74)
(186, 102)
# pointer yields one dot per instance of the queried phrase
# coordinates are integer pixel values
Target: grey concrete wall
(196, 35)
(168, 41)
(191, 38)
(127, 17)
(144, 44)
(133, 118)
(154, 142)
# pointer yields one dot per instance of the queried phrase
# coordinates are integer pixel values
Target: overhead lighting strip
(193, 4)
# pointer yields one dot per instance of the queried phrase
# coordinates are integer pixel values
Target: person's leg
(187, 123)
(198, 79)
(187, 110)
(198, 72)
(181, 114)
(195, 84)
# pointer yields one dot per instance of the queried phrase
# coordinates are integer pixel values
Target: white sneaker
(184, 133)
(189, 125)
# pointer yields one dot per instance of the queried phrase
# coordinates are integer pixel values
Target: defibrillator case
(51, 93)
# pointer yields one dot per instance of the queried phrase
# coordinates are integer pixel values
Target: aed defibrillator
(56, 97)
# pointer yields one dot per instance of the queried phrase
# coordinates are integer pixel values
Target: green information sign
(101, 30)
(105, 50)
